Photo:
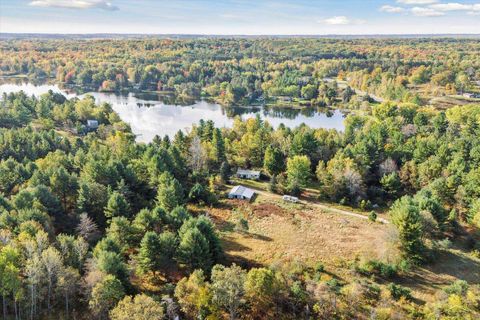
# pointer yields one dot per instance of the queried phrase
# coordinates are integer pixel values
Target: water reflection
(151, 114)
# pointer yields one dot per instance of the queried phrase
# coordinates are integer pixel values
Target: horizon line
(239, 34)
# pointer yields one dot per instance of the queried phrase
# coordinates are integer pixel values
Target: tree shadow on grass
(230, 244)
(447, 267)
(242, 261)
(457, 264)
(255, 236)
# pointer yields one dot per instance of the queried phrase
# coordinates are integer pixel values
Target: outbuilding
(248, 174)
(241, 192)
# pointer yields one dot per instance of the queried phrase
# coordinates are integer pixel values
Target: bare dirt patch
(265, 210)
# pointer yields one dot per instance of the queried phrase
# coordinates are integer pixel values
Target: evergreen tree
(218, 147)
(170, 192)
(407, 219)
(225, 171)
(156, 251)
(117, 206)
(194, 251)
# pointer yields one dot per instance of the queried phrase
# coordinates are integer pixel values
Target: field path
(321, 206)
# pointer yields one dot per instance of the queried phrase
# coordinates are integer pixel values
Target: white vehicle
(290, 198)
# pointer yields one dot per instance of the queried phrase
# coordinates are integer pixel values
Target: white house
(241, 192)
(92, 124)
(248, 174)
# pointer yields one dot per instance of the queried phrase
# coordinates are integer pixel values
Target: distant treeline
(246, 70)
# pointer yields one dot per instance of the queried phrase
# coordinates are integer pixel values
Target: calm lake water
(148, 114)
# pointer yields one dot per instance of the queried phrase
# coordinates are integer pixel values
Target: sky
(241, 17)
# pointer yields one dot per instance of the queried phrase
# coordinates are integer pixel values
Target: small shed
(92, 124)
(248, 174)
(290, 198)
(241, 192)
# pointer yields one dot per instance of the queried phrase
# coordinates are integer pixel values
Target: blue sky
(241, 16)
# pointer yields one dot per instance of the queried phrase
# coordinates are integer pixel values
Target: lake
(148, 115)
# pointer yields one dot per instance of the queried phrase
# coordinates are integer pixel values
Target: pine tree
(406, 217)
(194, 251)
(170, 192)
(218, 147)
(156, 251)
(117, 206)
(225, 171)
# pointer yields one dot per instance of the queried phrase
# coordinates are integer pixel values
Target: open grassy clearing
(447, 102)
(282, 232)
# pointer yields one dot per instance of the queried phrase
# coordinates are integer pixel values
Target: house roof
(248, 172)
(242, 191)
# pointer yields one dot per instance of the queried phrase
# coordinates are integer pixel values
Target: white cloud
(432, 8)
(392, 9)
(338, 20)
(75, 4)
(451, 6)
(455, 6)
(426, 12)
(341, 20)
(416, 2)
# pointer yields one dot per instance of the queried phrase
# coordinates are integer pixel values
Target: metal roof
(92, 123)
(242, 191)
(248, 172)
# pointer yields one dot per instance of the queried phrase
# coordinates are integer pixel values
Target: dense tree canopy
(94, 221)
(240, 71)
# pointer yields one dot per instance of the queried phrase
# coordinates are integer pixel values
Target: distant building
(92, 125)
(241, 192)
(290, 198)
(284, 99)
(248, 174)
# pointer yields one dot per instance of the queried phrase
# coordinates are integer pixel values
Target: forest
(246, 71)
(94, 225)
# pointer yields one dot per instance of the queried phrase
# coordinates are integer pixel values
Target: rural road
(323, 207)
